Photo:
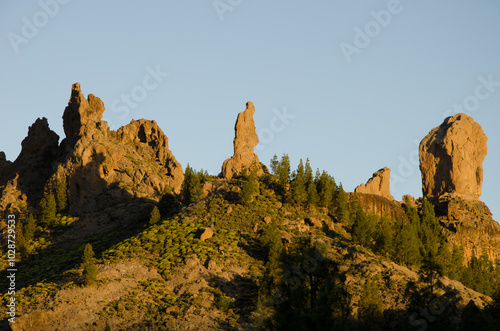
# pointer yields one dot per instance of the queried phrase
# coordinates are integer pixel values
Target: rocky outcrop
(245, 140)
(81, 115)
(451, 159)
(27, 175)
(102, 168)
(105, 167)
(469, 223)
(379, 184)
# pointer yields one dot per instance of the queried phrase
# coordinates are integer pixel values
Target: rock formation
(469, 223)
(381, 206)
(81, 115)
(379, 184)
(244, 143)
(27, 175)
(102, 167)
(451, 158)
(106, 167)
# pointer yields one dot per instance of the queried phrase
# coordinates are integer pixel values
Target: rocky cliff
(469, 223)
(244, 143)
(102, 167)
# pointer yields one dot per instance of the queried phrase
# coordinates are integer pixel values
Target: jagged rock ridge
(244, 143)
(102, 167)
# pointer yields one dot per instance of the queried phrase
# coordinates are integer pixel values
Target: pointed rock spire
(81, 115)
(244, 143)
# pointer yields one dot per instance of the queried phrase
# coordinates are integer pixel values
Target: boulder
(451, 159)
(379, 184)
(314, 222)
(207, 234)
(245, 140)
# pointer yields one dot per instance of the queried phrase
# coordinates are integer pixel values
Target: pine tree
(191, 187)
(312, 192)
(62, 195)
(299, 194)
(341, 204)
(89, 268)
(457, 262)
(371, 307)
(30, 228)
(361, 227)
(430, 230)
(48, 209)
(250, 189)
(269, 294)
(383, 235)
(155, 216)
(430, 273)
(284, 171)
(275, 163)
(326, 188)
(406, 244)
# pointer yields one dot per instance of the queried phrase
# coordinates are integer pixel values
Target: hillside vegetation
(282, 250)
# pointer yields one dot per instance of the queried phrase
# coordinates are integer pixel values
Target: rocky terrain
(230, 251)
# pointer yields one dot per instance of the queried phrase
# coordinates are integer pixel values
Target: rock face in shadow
(379, 184)
(101, 167)
(23, 180)
(451, 159)
(245, 140)
(469, 223)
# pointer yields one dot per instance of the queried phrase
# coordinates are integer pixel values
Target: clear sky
(352, 85)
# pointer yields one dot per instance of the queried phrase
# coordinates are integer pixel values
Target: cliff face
(451, 162)
(469, 223)
(102, 167)
(381, 206)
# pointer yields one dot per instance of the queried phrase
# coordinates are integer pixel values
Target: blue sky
(354, 86)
